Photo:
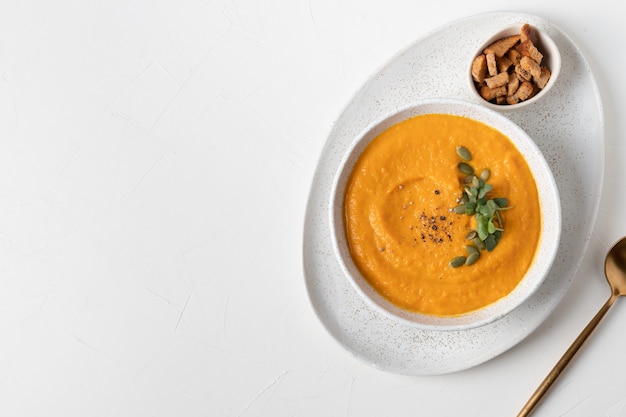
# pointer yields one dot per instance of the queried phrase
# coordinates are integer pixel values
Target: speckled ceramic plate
(567, 126)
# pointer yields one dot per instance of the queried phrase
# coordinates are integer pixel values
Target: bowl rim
(546, 46)
(548, 198)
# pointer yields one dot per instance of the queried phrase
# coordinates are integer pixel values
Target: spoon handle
(566, 358)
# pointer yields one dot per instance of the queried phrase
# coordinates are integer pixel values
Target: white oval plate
(568, 127)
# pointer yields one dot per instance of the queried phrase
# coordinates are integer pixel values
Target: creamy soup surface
(401, 232)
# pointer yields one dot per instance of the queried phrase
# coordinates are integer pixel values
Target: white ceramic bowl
(548, 196)
(551, 60)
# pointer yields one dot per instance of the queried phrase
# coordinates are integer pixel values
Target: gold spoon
(615, 272)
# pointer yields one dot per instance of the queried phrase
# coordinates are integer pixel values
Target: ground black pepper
(434, 228)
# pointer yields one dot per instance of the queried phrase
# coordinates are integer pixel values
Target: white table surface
(155, 163)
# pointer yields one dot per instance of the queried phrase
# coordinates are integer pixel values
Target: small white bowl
(551, 60)
(548, 197)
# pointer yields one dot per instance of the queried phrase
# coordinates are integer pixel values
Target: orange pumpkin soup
(402, 233)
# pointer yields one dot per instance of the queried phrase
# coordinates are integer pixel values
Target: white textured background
(155, 161)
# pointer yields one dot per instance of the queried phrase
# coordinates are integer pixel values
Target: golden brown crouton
(527, 33)
(525, 91)
(514, 55)
(513, 85)
(492, 65)
(504, 64)
(497, 80)
(479, 68)
(522, 74)
(527, 48)
(513, 99)
(530, 66)
(543, 78)
(500, 47)
(491, 93)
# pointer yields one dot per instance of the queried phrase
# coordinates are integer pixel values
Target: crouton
(530, 66)
(479, 68)
(491, 93)
(497, 80)
(514, 55)
(492, 65)
(527, 48)
(512, 99)
(543, 78)
(522, 74)
(527, 33)
(525, 91)
(512, 85)
(500, 47)
(504, 64)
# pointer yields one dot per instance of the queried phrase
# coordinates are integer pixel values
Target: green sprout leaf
(476, 201)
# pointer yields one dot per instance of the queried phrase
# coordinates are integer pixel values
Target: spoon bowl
(615, 268)
(615, 272)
